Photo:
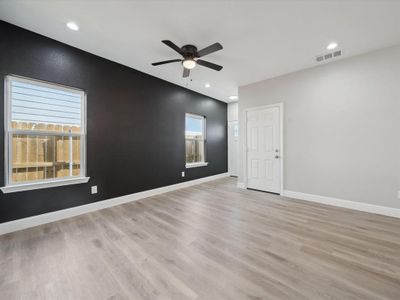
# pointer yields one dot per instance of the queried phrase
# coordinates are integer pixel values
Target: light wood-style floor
(211, 241)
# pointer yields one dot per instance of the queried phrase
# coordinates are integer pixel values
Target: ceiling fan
(190, 57)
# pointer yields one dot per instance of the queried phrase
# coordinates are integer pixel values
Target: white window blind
(38, 104)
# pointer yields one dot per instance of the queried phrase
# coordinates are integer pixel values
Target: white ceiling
(261, 39)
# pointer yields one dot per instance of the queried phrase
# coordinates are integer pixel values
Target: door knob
(276, 156)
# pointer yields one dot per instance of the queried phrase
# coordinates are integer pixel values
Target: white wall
(233, 110)
(233, 143)
(341, 127)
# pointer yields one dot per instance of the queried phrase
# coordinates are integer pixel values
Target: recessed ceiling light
(207, 85)
(233, 97)
(73, 26)
(332, 46)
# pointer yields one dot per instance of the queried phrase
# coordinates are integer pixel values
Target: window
(236, 130)
(44, 135)
(195, 139)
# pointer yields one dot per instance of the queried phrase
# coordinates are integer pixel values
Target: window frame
(204, 121)
(10, 186)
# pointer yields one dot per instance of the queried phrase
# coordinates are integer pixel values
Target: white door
(263, 149)
(233, 144)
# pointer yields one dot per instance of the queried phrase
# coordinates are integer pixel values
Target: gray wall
(341, 127)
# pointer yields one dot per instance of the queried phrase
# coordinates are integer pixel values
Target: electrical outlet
(398, 194)
(183, 173)
(94, 189)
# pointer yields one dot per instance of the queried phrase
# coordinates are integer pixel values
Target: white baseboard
(241, 185)
(83, 209)
(365, 207)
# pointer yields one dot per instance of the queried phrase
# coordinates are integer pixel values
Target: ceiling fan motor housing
(189, 51)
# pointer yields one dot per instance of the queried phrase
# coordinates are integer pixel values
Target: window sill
(42, 185)
(195, 165)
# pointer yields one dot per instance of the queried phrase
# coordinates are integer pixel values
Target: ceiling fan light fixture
(189, 63)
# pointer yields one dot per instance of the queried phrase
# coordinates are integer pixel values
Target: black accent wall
(135, 124)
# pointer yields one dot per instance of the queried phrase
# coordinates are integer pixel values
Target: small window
(45, 134)
(195, 138)
(236, 130)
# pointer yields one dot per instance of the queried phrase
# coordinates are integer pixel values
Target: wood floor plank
(210, 241)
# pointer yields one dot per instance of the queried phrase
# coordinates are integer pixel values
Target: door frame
(244, 135)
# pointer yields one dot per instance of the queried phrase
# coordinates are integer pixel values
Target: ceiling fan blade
(209, 65)
(173, 46)
(166, 62)
(186, 72)
(210, 49)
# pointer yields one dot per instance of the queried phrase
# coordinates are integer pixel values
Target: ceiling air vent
(337, 53)
(328, 56)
